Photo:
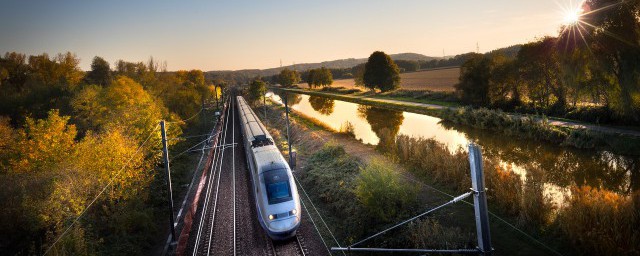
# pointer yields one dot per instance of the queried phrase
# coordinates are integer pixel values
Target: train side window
(277, 184)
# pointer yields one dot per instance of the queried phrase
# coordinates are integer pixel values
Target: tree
(257, 89)
(326, 78)
(288, 77)
(473, 87)
(44, 143)
(615, 30)
(100, 73)
(358, 75)
(380, 72)
(540, 66)
(312, 78)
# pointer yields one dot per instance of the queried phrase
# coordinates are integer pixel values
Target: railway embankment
(338, 171)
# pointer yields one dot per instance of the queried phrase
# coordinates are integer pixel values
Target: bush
(382, 193)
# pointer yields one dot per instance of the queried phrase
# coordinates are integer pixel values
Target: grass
(601, 222)
(334, 181)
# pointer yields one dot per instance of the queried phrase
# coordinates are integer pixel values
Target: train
(274, 188)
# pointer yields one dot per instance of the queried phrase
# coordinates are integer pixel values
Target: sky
(232, 35)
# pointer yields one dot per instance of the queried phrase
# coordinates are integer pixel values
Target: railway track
(226, 222)
(288, 248)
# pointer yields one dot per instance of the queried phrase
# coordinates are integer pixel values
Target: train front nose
(283, 228)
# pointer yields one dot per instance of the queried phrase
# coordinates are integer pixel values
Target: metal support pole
(202, 115)
(480, 200)
(264, 103)
(286, 110)
(165, 154)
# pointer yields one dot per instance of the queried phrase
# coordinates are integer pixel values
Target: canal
(557, 167)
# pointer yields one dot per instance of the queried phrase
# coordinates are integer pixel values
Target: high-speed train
(275, 192)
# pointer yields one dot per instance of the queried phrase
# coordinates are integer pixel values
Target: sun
(572, 17)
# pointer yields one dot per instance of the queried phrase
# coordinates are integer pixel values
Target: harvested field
(433, 80)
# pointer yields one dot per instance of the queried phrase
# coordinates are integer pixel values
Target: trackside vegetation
(69, 136)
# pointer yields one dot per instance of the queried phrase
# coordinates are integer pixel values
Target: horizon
(256, 35)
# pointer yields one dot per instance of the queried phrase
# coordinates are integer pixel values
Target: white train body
(274, 188)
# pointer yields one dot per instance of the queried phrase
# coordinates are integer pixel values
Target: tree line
(590, 73)
(68, 133)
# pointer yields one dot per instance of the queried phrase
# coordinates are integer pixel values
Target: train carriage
(275, 191)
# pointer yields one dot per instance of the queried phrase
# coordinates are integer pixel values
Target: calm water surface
(558, 167)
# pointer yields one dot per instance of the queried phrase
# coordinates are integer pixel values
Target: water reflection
(322, 104)
(385, 123)
(562, 166)
(556, 168)
(292, 98)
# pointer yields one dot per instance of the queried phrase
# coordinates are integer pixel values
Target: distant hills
(245, 75)
(333, 64)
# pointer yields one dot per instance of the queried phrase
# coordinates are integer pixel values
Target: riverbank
(565, 133)
(309, 136)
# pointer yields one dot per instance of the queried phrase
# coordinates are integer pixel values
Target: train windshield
(277, 183)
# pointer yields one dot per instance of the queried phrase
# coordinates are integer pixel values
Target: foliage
(584, 66)
(380, 72)
(33, 85)
(288, 77)
(615, 32)
(100, 73)
(319, 77)
(122, 104)
(43, 143)
(381, 191)
(408, 65)
(602, 222)
(257, 89)
(474, 80)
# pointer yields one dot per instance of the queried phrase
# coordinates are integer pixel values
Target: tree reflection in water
(322, 104)
(292, 98)
(561, 166)
(385, 123)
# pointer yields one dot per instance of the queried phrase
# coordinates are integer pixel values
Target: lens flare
(572, 17)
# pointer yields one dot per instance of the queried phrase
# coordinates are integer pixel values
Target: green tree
(100, 73)
(380, 72)
(257, 89)
(312, 78)
(615, 30)
(473, 87)
(326, 78)
(288, 77)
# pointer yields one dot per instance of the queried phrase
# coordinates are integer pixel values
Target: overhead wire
(185, 120)
(465, 202)
(101, 191)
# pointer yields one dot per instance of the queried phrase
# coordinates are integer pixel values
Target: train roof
(269, 158)
(254, 128)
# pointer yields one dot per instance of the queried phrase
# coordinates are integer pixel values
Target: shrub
(382, 193)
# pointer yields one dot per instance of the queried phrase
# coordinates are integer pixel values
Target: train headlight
(294, 212)
(271, 217)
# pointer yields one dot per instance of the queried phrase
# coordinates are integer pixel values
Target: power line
(184, 120)
(101, 191)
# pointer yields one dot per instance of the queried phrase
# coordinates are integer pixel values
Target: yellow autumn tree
(43, 143)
